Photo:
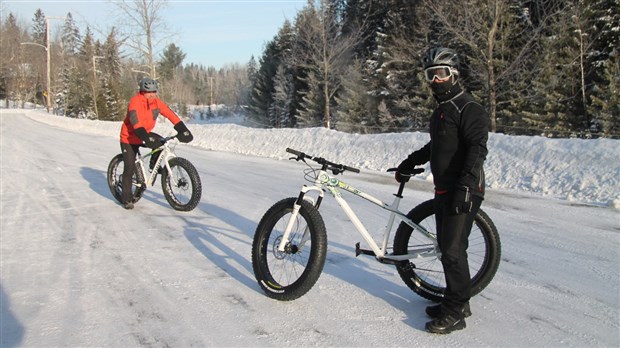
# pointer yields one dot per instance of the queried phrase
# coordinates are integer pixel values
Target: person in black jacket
(458, 147)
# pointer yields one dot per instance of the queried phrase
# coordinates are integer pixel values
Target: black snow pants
(453, 233)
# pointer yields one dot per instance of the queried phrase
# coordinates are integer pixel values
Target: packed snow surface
(76, 269)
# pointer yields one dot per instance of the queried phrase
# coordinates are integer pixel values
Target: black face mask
(441, 89)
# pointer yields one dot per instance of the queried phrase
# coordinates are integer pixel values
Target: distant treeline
(546, 67)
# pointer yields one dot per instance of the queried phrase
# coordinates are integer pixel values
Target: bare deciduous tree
(327, 52)
(483, 29)
(145, 30)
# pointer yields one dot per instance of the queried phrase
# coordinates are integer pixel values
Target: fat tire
(483, 265)
(115, 172)
(270, 265)
(185, 173)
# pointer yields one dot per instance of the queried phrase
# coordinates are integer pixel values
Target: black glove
(405, 167)
(184, 135)
(461, 200)
(152, 140)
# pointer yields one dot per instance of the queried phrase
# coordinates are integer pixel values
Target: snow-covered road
(76, 269)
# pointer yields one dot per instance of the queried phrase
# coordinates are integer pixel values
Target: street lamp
(47, 50)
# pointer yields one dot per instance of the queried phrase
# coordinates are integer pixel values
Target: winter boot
(446, 324)
(435, 311)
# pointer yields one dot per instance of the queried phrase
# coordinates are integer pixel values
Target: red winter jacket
(143, 112)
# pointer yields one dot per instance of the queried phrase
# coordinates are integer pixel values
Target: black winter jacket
(459, 131)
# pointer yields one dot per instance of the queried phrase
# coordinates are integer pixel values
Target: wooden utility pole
(95, 84)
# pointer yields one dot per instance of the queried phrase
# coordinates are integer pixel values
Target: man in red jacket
(142, 113)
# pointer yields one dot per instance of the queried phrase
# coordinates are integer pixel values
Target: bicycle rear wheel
(289, 274)
(115, 175)
(182, 188)
(426, 276)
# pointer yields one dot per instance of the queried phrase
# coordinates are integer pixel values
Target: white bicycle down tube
(359, 226)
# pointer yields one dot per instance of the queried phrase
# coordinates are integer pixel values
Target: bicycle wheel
(115, 174)
(426, 277)
(289, 274)
(183, 188)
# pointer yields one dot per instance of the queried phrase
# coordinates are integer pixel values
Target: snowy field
(76, 269)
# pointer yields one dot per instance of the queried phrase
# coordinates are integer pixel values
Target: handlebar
(412, 173)
(167, 139)
(336, 168)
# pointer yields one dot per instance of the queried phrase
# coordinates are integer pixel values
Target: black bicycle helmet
(148, 85)
(440, 56)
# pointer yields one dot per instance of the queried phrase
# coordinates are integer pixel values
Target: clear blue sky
(211, 33)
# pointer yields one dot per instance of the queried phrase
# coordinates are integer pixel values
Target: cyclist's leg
(129, 152)
(453, 233)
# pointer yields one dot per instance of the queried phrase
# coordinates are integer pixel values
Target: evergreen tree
(11, 56)
(606, 100)
(39, 28)
(108, 82)
(70, 36)
(171, 59)
(311, 110)
(277, 52)
(252, 69)
(356, 109)
(261, 97)
(282, 98)
(83, 87)
(112, 65)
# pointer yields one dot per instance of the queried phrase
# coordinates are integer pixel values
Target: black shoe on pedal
(435, 311)
(446, 324)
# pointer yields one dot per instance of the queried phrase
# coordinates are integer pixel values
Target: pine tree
(261, 97)
(355, 111)
(39, 28)
(277, 52)
(112, 65)
(282, 98)
(11, 56)
(606, 100)
(70, 35)
(252, 69)
(171, 59)
(311, 110)
(405, 96)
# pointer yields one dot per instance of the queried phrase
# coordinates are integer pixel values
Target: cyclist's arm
(165, 111)
(422, 155)
(474, 130)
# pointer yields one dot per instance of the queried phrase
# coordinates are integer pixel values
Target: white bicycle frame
(166, 154)
(332, 184)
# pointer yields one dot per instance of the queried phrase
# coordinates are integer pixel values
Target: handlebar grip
(351, 169)
(412, 173)
(295, 152)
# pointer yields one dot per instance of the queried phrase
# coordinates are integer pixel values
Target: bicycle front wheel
(426, 277)
(289, 274)
(182, 188)
(115, 176)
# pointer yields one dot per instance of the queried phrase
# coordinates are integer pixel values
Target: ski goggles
(441, 72)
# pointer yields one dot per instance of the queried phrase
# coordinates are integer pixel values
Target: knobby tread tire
(262, 249)
(194, 178)
(415, 278)
(114, 178)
